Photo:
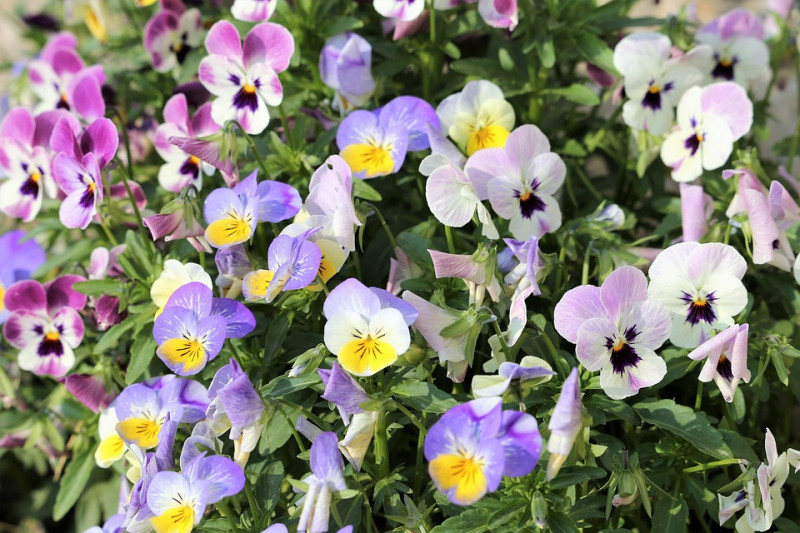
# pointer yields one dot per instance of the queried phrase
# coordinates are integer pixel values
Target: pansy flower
(739, 52)
(182, 169)
(178, 220)
(112, 447)
(654, 80)
(616, 330)
(475, 444)
(496, 13)
(61, 80)
(520, 182)
(327, 477)
(20, 259)
(478, 117)
(194, 325)
(171, 34)
(174, 276)
(25, 161)
(244, 78)
(565, 424)
(233, 264)
(701, 287)
(522, 278)
(375, 143)
(232, 214)
(293, 263)
(531, 371)
(366, 328)
(178, 499)
(345, 65)
(726, 359)
(329, 205)
(475, 270)
(44, 324)
(710, 120)
(399, 9)
(253, 10)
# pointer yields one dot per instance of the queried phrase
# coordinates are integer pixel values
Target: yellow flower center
(618, 345)
(52, 336)
(35, 177)
(249, 88)
(365, 356)
(373, 159)
(462, 471)
(524, 197)
(175, 520)
(142, 431)
(194, 160)
(188, 353)
(654, 89)
(488, 136)
(725, 62)
(232, 229)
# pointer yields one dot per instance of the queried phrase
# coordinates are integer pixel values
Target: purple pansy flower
(523, 279)
(374, 143)
(293, 263)
(171, 34)
(343, 391)
(565, 424)
(44, 324)
(25, 161)
(62, 81)
(710, 120)
(531, 371)
(345, 66)
(253, 10)
(235, 404)
(90, 390)
(233, 265)
(327, 477)
(194, 325)
(232, 214)
(475, 444)
(739, 51)
(701, 287)
(330, 203)
(726, 359)
(616, 330)
(20, 260)
(178, 500)
(244, 78)
(182, 169)
(519, 181)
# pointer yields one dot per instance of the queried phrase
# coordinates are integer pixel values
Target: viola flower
(345, 66)
(182, 169)
(216, 150)
(710, 120)
(475, 270)
(739, 52)
(143, 408)
(654, 80)
(530, 372)
(233, 265)
(332, 254)
(366, 328)
(475, 444)
(112, 447)
(696, 209)
(616, 330)
(25, 162)
(520, 181)
(375, 143)
(565, 424)
(194, 325)
(44, 324)
(399, 9)
(178, 500)
(20, 259)
(171, 34)
(253, 10)
(174, 276)
(235, 404)
(343, 391)
(88, 389)
(700, 285)
(61, 80)
(495, 13)
(232, 214)
(769, 215)
(726, 359)
(330, 205)
(293, 263)
(178, 220)
(327, 477)
(245, 78)
(478, 117)
(523, 278)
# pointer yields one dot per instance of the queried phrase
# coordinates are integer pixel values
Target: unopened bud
(539, 510)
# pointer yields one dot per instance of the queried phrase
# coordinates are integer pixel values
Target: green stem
(448, 233)
(587, 182)
(129, 177)
(418, 468)
(382, 220)
(251, 501)
(109, 235)
(294, 430)
(414, 420)
(698, 400)
(382, 446)
(252, 144)
(585, 269)
(503, 345)
(306, 413)
(711, 465)
(225, 511)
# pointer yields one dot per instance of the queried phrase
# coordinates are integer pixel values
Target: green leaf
(76, 475)
(470, 521)
(341, 25)
(416, 247)
(99, 287)
(547, 52)
(580, 94)
(683, 422)
(423, 396)
(276, 333)
(670, 516)
(561, 523)
(596, 51)
(362, 189)
(111, 337)
(142, 352)
(268, 486)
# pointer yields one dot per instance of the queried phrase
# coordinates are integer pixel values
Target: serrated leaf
(670, 515)
(76, 475)
(423, 396)
(683, 422)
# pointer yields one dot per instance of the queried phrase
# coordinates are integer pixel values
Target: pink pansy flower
(44, 324)
(171, 34)
(710, 120)
(330, 203)
(399, 9)
(244, 78)
(739, 52)
(696, 208)
(496, 13)
(520, 180)
(25, 161)
(182, 169)
(253, 10)
(616, 330)
(61, 80)
(726, 359)
(769, 214)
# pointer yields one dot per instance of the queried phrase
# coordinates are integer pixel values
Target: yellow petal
(364, 357)
(188, 353)
(175, 520)
(2, 294)
(141, 431)
(256, 283)
(227, 231)
(374, 160)
(110, 451)
(492, 136)
(463, 473)
(96, 24)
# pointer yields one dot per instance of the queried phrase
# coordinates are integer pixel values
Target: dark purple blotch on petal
(700, 309)
(623, 354)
